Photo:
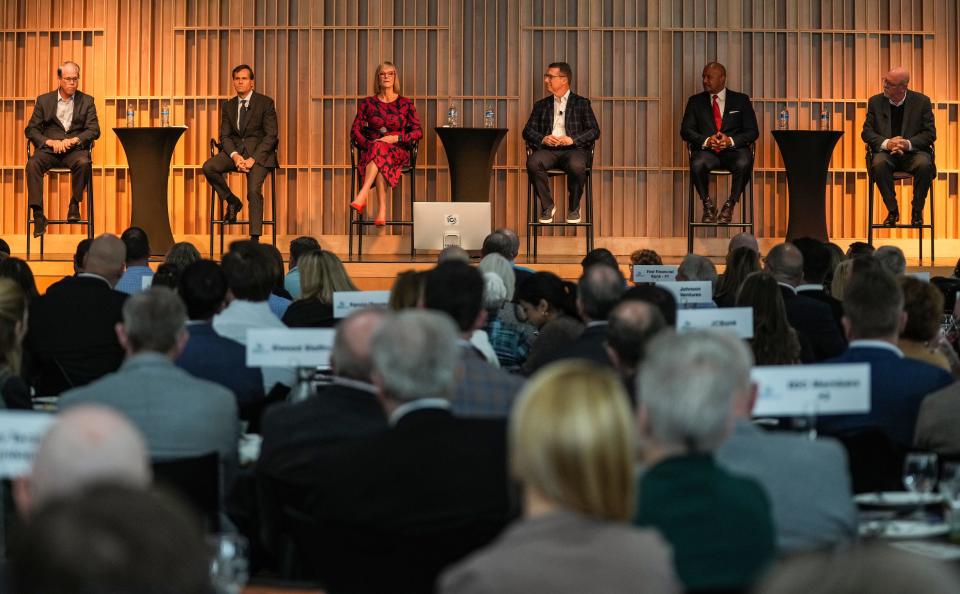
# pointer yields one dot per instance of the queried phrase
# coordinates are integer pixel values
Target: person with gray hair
(179, 415)
(632, 325)
(417, 497)
(744, 239)
(697, 268)
(510, 338)
(453, 253)
(892, 259)
(686, 388)
(506, 242)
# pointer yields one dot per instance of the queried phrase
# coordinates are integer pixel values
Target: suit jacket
(808, 514)
(71, 339)
(407, 502)
(938, 420)
(578, 120)
(918, 124)
(258, 138)
(484, 390)
(897, 387)
(583, 554)
(739, 120)
(44, 125)
(814, 322)
(835, 305)
(589, 345)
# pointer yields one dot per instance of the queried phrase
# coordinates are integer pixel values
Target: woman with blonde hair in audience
(741, 262)
(182, 254)
(920, 337)
(571, 447)
(510, 338)
(774, 342)
(321, 275)
(13, 327)
(19, 272)
(406, 290)
(841, 276)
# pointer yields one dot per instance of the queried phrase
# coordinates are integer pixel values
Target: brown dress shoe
(892, 218)
(726, 213)
(73, 213)
(709, 211)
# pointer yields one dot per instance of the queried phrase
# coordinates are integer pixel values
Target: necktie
(243, 114)
(717, 118)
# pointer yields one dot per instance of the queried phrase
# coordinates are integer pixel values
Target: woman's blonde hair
(376, 77)
(322, 273)
(841, 276)
(572, 440)
(13, 307)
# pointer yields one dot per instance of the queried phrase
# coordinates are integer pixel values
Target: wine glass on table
(920, 475)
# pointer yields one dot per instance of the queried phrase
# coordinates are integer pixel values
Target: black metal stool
(900, 175)
(214, 199)
(88, 221)
(746, 204)
(533, 221)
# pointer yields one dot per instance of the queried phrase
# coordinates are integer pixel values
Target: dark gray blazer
(44, 124)
(258, 139)
(918, 124)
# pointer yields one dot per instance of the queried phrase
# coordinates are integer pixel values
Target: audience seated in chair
(138, 254)
(644, 257)
(697, 268)
(83, 246)
(19, 272)
(775, 341)
(599, 256)
(510, 338)
(817, 259)
(279, 299)
(506, 242)
(656, 296)
(406, 290)
(632, 324)
(298, 247)
(548, 303)
(920, 337)
(14, 392)
(741, 262)
(321, 275)
(892, 259)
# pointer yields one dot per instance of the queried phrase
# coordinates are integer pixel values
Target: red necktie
(717, 118)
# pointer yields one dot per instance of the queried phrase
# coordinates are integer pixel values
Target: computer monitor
(465, 222)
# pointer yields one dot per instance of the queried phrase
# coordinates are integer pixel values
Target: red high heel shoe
(358, 206)
(380, 221)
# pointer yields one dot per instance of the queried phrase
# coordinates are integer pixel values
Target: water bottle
(130, 114)
(783, 121)
(488, 115)
(164, 114)
(452, 116)
(824, 120)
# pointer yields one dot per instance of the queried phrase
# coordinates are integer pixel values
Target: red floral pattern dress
(376, 119)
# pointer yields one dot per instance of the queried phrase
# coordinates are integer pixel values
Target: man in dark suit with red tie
(560, 135)
(62, 128)
(248, 140)
(719, 125)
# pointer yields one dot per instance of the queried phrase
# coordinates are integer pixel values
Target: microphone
(561, 112)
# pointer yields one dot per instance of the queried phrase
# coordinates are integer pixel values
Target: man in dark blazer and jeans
(248, 140)
(719, 125)
(62, 128)
(560, 135)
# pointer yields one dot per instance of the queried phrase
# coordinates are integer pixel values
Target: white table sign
(289, 347)
(146, 282)
(648, 273)
(789, 390)
(689, 291)
(347, 302)
(924, 276)
(738, 320)
(20, 435)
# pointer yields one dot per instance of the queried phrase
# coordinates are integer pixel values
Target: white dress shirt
(240, 316)
(559, 107)
(65, 110)
(722, 104)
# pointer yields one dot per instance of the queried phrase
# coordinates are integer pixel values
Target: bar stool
(534, 226)
(215, 147)
(88, 221)
(746, 203)
(356, 219)
(900, 175)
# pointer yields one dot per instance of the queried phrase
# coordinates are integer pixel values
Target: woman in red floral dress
(385, 127)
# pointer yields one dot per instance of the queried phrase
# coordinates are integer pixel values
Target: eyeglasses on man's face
(549, 76)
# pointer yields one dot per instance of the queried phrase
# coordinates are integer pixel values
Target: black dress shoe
(726, 213)
(892, 218)
(73, 213)
(233, 207)
(916, 218)
(709, 211)
(39, 224)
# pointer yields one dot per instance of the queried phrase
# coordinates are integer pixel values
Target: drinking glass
(228, 563)
(920, 472)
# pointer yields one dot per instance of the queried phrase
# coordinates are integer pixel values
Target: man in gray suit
(900, 131)
(180, 416)
(807, 481)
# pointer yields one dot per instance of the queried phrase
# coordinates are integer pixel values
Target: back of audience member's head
(741, 262)
(873, 306)
(249, 271)
(112, 539)
(956, 269)
(499, 265)
(350, 357)
(137, 244)
(85, 445)
(546, 289)
(891, 258)
(633, 324)
(498, 243)
(599, 291)
(923, 304)
(453, 253)
(19, 272)
(785, 262)
(743, 240)
(858, 249)
(511, 235)
(83, 246)
(415, 355)
(321, 275)
(13, 324)
(659, 297)
(494, 292)
(774, 341)
(407, 290)
(816, 259)
(697, 268)
(4, 247)
(686, 387)
(455, 289)
(276, 259)
(573, 451)
(644, 257)
(872, 568)
(182, 254)
(599, 256)
(153, 321)
(300, 246)
(836, 256)
(841, 276)
(166, 275)
(106, 258)
(203, 289)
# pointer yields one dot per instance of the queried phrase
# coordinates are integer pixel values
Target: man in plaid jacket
(560, 135)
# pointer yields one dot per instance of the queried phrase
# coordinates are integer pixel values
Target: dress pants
(917, 163)
(214, 170)
(738, 160)
(77, 160)
(572, 161)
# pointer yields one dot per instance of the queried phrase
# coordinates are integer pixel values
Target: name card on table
(738, 320)
(648, 273)
(796, 390)
(146, 282)
(689, 291)
(347, 302)
(20, 435)
(289, 347)
(924, 276)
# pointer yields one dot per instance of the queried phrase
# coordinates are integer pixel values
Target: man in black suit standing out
(560, 135)
(900, 131)
(719, 125)
(248, 139)
(63, 126)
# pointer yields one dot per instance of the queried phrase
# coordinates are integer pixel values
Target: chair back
(196, 480)
(875, 460)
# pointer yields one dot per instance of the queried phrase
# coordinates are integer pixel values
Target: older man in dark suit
(62, 128)
(248, 139)
(719, 125)
(560, 135)
(900, 131)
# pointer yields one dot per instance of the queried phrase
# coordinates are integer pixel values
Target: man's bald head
(350, 357)
(106, 258)
(632, 324)
(87, 444)
(785, 263)
(895, 83)
(746, 240)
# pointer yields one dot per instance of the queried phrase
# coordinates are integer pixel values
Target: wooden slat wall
(637, 60)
